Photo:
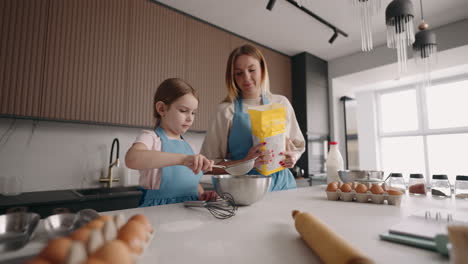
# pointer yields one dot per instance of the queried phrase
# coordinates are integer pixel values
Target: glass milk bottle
(334, 163)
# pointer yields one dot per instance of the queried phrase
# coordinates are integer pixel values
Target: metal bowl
(245, 189)
(361, 175)
(60, 224)
(16, 229)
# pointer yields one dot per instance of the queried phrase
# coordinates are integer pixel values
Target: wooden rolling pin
(325, 243)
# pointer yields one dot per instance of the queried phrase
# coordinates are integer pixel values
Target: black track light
(270, 5)
(335, 35)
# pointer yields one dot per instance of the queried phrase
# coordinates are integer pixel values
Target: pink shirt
(150, 178)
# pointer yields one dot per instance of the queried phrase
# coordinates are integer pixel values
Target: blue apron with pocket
(178, 183)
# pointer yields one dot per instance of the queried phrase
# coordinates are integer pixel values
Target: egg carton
(364, 197)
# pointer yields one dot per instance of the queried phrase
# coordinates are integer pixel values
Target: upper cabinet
(86, 61)
(102, 61)
(23, 33)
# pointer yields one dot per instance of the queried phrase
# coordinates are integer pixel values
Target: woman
(230, 133)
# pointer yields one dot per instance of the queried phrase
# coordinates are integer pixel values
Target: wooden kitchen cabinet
(22, 43)
(101, 61)
(85, 61)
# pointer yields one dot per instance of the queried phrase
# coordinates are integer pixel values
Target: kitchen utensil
(223, 208)
(245, 190)
(239, 168)
(361, 175)
(16, 229)
(60, 224)
(438, 244)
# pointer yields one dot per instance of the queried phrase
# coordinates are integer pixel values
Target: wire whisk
(223, 208)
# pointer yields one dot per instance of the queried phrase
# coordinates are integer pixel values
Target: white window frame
(421, 108)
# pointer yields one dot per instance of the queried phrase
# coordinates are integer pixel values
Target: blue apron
(240, 141)
(178, 183)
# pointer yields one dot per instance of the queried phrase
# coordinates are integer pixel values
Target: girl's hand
(290, 155)
(263, 157)
(198, 163)
(208, 196)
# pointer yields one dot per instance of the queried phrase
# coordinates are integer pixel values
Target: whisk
(223, 208)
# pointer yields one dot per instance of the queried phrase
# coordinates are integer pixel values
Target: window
(425, 131)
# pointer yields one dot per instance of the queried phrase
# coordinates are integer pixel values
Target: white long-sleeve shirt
(216, 141)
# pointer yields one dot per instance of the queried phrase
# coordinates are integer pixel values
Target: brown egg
(394, 192)
(134, 229)
(104, 218)
(142, 219)
(346, 187)
(96, 223)
(361, 188)
(135, 244)
(376, 189)
(81, 234)
(38, 260)
(114, 251)
(332, 187)
(56, 250)
(94, 260)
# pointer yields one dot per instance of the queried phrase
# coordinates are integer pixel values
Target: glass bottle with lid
(441, 186)
(417, 184)
(461, 186)
(397, 182)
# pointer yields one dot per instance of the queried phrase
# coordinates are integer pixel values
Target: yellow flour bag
(269, 125)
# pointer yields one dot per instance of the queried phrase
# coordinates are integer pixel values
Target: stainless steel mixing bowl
(361, 175)
(245, 189)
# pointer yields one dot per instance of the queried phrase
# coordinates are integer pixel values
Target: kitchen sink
(106, 191)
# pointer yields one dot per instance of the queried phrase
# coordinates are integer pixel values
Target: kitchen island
(264, 232)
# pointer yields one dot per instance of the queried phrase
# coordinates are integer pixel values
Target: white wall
(58, 155)
(362, 71)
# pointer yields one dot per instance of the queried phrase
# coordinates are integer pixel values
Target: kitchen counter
(43, 202)
(264, 232)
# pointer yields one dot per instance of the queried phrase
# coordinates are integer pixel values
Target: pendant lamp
(425, 50)
(365, 10)
(400, 34)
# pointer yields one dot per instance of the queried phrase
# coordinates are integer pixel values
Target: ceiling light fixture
(425, 50)
(400, 33)
(335, 35)
(299, 4)
(365, 10)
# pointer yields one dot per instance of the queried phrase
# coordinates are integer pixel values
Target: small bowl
(60, 224)
(245, 190)
(16, 229)
(361, 175)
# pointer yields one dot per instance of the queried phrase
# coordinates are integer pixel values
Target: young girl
(169, 170)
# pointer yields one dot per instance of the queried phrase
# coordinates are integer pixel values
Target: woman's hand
(208, 196)
(198, 163)
(263, 157)
(290, 155)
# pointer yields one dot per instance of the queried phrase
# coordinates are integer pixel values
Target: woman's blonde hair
(168, 92)
(233, 89)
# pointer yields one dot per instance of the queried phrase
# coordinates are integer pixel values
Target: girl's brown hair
(249, 50)
(169, 91)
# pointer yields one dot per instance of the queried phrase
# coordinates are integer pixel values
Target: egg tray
(366, 197)
(134, 256)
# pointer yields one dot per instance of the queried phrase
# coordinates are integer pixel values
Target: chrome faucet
(109, 180)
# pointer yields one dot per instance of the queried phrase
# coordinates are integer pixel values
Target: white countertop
(264, 232)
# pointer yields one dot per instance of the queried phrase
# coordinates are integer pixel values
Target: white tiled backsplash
(59, 155)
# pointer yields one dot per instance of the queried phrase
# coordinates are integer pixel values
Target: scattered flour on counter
(181, 226)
